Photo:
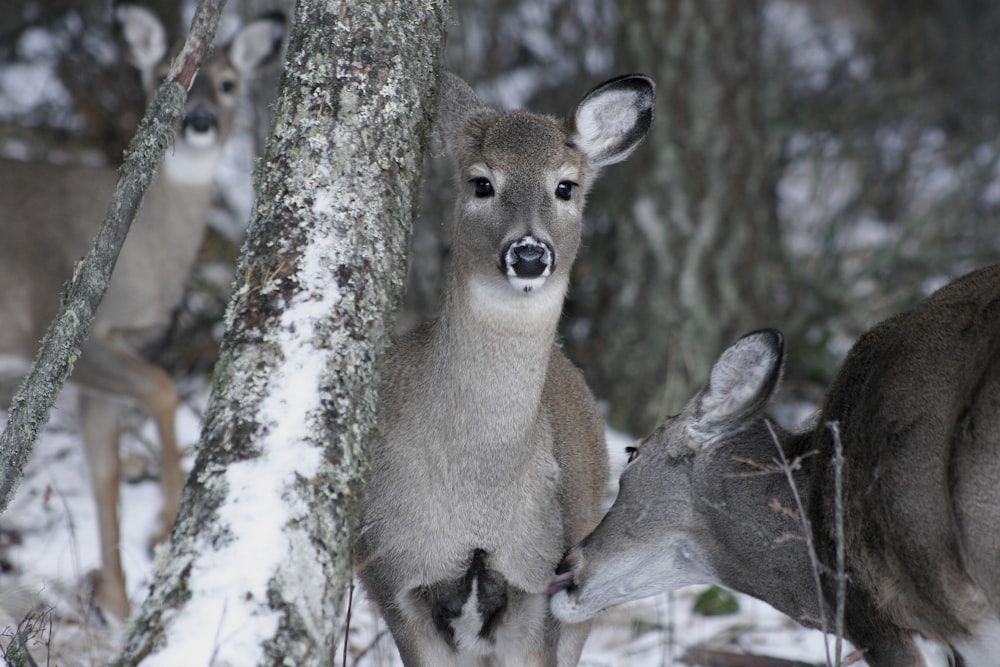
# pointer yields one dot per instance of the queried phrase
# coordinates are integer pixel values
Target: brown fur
(917, 402)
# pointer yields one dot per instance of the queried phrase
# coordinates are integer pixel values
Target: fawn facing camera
(493, 459)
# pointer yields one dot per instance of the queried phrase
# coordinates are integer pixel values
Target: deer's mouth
(527, 262)
(200, 128)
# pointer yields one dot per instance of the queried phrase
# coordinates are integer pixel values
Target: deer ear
(145, 37)
(742, 381)
(612, 119)
(256, 43)
(457, 105)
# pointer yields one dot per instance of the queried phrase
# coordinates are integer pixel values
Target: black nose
(528, 258)
(529, 253)
(200, 119)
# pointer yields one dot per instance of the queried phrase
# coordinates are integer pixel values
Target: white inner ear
(738, 377)
(603, 121)
(252, 45)
(144, 34)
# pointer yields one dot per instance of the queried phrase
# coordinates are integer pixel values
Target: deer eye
(632, 452)
(565, 190)
(227, 85)
(483, 187)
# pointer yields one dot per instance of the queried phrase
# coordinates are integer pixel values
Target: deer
(49, 215)
(707, 498)
(492, 460)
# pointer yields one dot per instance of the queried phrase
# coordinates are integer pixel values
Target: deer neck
(176, 206)
(162, 244)
(189, 166)
(764, 525)
(493, 345)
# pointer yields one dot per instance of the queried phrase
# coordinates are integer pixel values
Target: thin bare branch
(786, 467)
(841, 574)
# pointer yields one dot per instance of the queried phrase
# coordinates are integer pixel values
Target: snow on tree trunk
(257, 566)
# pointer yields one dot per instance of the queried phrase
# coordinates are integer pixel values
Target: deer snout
(527, 262)
(200, 127)
(564, 591)
(565, 573)
(563, 581)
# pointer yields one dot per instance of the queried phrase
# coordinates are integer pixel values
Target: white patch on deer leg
(935, 654)
(520, 637)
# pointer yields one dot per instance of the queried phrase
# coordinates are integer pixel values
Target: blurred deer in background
(493, 460)
(49, 215)
(917, 404)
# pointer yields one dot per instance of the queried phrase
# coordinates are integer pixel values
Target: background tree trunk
(259, 559)
(686, 244)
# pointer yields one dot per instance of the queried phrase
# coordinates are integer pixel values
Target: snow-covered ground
(53, 518)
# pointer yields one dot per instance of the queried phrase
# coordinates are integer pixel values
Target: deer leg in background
(113, 368)
(99, 422)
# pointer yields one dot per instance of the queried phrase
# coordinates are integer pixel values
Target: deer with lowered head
(49, 215)
(917, 408)
(493, 460)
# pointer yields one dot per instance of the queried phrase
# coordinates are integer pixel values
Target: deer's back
(49, 215)
(918, 405)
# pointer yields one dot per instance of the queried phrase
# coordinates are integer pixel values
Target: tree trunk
(686, 244)
(256, 568)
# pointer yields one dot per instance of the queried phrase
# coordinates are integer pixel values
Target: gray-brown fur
(49, 215)
(493, 458)
(917, 402)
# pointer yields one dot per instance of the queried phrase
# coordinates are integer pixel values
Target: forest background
(814, 166)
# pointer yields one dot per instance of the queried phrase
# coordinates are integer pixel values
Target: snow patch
(229, 612)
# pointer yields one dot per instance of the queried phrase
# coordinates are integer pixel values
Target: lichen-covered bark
(294, 401)
(691, 246)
